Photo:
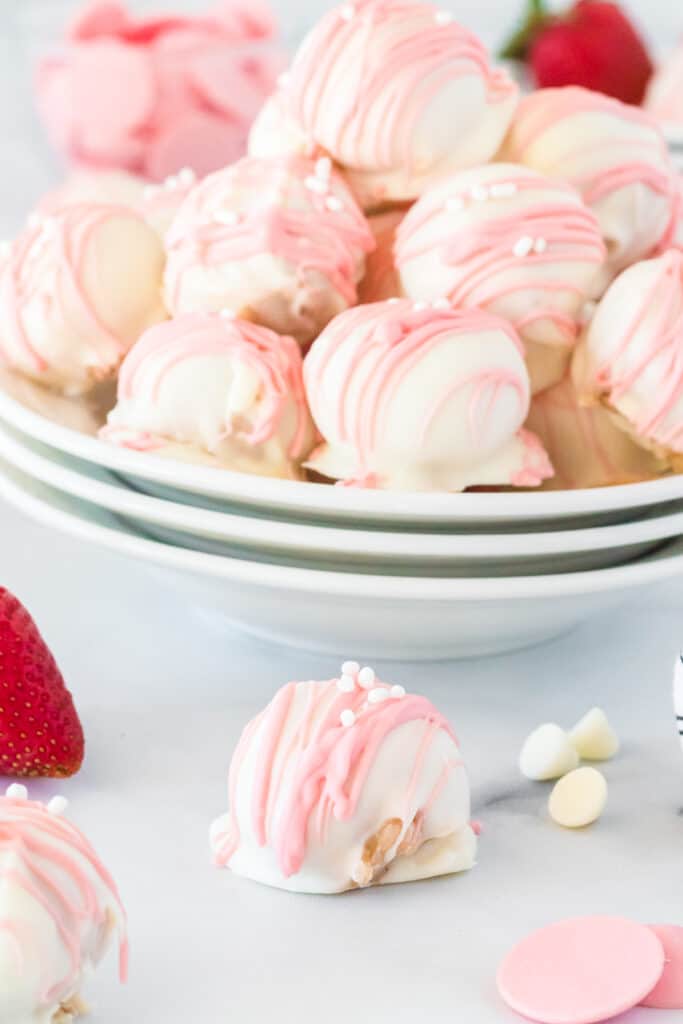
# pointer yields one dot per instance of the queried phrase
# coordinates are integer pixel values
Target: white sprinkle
(480, 193)
(346, 684)
(392, 301)
(150, 191)
(397, 692)
(228, 314)
(187, 176)
(315, 185)
(455, 204)
(377, 695)
(346, 12)
(284, 79)
(441, 304)
(347, 718)
(227, 217)
(443, 17)
(16, 792)
(58, 805)
(540, 246)
(523, 247)
(323, 168)
(350, 668)
(171, 183)
(334, 204)
(366, 677)
(418, 307)
(503, 189)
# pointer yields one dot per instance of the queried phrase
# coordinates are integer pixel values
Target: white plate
(317, 501)
(357, 550)
(381, 616)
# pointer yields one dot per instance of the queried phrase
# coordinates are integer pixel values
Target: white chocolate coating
(213, 390)
(280, 242)
(58, 910)
(332, 788)
(614, 154)
(506, 239)
(275, 133)
(630, 356)
(416, 397)
(76, 291)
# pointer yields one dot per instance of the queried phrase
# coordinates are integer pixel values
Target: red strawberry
(40, 733)
(593, 44)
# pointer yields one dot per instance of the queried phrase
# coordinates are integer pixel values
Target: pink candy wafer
(582, 970)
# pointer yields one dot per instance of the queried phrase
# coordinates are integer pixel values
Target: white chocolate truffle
(509, 240)
(58, 910)
(381, 280)
(208, 388)
(417, 397)
(76, 291)
(613, 153)
(398, 95)
(331, 790)
(630, 356)
(280, 242)
(593, 737)
(584, 444)
(548, 753)
(579, 798)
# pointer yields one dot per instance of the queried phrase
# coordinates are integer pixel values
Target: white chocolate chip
(377, 695)
(346, 684)
(579, 798)
(547, 754)
(366, 677)
(58, 805)
(16, 792)
(350, 668)
(397, 692)
(523, 247)
(594, 738)
(347, 718)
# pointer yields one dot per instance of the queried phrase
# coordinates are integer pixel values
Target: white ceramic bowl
(319, 502)
(381, 616)
(389, 552)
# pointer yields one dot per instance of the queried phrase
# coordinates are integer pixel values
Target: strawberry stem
(517, 46)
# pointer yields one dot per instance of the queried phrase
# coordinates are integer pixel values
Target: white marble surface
(163, 695)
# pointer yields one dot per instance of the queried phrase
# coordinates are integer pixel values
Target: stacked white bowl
(385, 573)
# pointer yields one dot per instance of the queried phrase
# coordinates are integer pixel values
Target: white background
(163, 693)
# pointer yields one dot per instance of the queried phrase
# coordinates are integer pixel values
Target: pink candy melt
(49, 852)
(402, 69)
(581, 971)
(668, 992)
(331, 764)
(276, 361)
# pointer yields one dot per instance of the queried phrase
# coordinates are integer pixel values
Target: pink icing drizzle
(407, 59)
(49, 850)
(22, 281)
(481, 253)
(617, 375)
(389, 339)
(275, 359)
(324, 769)
(543, 110)
(309, 236)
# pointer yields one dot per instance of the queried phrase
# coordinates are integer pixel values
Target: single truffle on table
(585, 445)
(422, 397)
(211, 389)
(398, 94)
(614, 154)
(509, 240)
(344, 784)
(630, 359)
(280, 242)
(76, 291)
(59, 908)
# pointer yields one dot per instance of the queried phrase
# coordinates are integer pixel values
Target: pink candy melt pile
(154, 95)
